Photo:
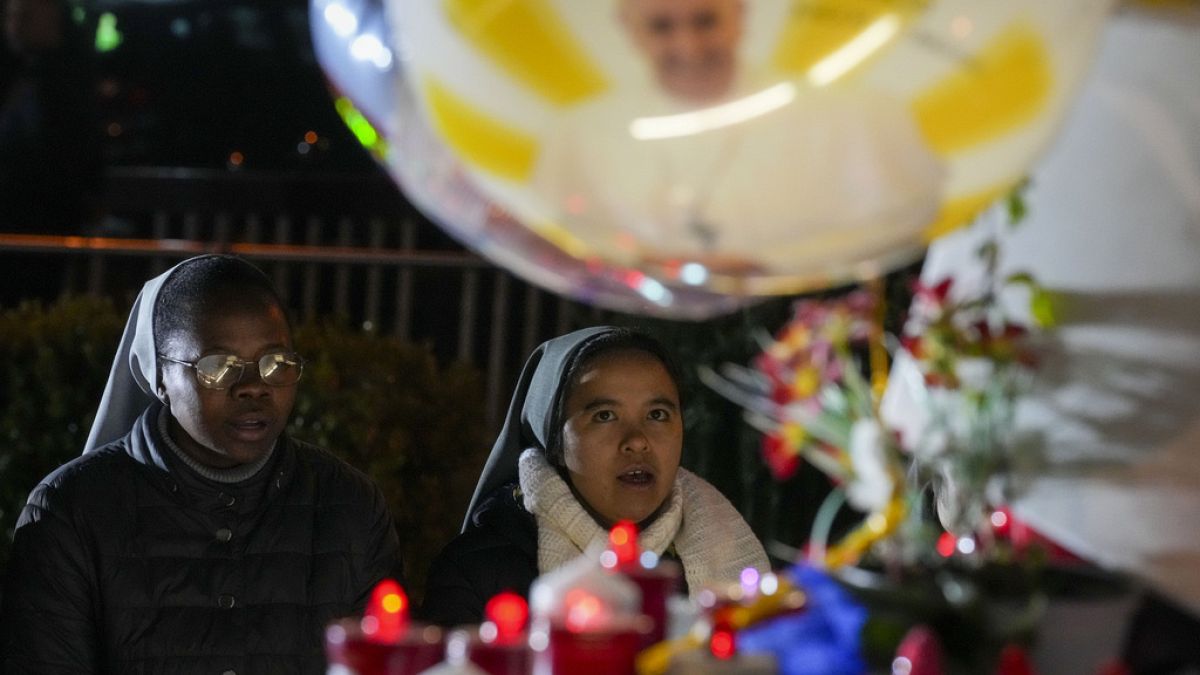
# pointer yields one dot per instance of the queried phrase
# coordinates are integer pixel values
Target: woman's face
(223, 428)
(623, 434)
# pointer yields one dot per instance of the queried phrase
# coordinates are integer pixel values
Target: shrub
(385, 407)
(53, 365)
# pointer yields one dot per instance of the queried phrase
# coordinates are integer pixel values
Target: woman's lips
(250, 428)
(637, 477)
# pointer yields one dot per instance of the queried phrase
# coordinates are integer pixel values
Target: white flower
(909, 408)
(974, 373)
(871, 487)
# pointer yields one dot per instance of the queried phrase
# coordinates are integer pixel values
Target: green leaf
(1017, 206)
(1021, 278)
(1042, 307)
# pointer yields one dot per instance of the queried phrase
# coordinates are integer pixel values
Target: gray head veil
(528, 421)
(133, 381)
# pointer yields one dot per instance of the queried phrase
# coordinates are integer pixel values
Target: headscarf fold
(528, 422)
(133, 380)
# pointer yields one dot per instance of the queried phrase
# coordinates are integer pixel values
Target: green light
(359, 126)
(78, 14)
(108, 37)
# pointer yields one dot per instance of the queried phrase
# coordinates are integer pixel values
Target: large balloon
(693, 150)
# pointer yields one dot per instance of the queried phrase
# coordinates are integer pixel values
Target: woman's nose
(250, 384)
(635, 439)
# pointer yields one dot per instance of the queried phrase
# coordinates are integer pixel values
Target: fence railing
(348, 248)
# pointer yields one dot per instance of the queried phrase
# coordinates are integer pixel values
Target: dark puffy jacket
(498, 552)
(125, 561)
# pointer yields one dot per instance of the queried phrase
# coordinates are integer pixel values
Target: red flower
(936, 293)
(779, 457)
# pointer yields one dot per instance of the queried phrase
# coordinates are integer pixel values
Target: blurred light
(181, 28)
(114, 129)
(310, 137)
(369, 624)
(508, 611)
(769, 584)
(877, 523)
(749, 578)
(341, 20)
(358, 125)
(901, 666)
(108, 37)
(584, 611)
(716, 117)
(78, 15)
(693, 274)
(236, 158)
(999, 519)
(369, 48)
(966, 545)
(389, 607)
(608, 559)
(623, 540)
(303, 148)
(722, 644)
(855, 51)
(654, 291)
(945, 544)
(649, 559)
(393, 603)
(539, 641)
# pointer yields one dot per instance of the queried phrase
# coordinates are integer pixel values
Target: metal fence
(342, 248)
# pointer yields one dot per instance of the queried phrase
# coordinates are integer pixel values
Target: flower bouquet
(924, 449)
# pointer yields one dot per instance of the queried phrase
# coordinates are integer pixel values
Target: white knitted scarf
(709, 535)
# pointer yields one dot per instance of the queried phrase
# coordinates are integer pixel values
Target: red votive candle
(611, 650)
(656, 579)
(500, 646)
(383, 642)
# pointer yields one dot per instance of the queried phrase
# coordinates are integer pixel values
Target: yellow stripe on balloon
(561, 237)
(825, 40)
(1000, 89)
(959, 211)
(481, 140)
(528, 40)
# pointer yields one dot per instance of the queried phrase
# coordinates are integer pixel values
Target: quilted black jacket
(498, 552)
(125, 561)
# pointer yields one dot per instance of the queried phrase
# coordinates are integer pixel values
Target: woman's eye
(660, 414)
(604, 416)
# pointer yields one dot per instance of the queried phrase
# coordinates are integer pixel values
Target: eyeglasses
(222, 371)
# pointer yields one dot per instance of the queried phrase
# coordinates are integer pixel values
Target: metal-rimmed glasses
(222, 371)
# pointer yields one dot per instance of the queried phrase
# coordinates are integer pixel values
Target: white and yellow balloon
(742, 147)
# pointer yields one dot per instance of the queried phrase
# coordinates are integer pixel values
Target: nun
(593, 436)
(193, 535)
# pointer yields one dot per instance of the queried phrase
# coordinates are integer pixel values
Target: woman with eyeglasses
(194, 535)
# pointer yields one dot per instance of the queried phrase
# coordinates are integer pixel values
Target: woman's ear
(161, 391)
